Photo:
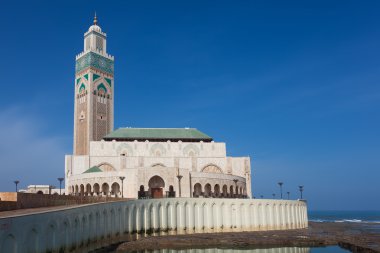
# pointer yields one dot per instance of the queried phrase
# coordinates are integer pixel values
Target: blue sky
(292, 84)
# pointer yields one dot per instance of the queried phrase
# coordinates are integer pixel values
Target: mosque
(140, 162)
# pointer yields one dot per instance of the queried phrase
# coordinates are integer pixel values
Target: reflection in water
(214, 250)
(329, 249)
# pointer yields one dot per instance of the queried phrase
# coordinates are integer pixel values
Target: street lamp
(274, 195)
(179, 184)
(288, 194)
(16, 183)
(122, 186)
(60, 179)
(280, 184)
(301, 189)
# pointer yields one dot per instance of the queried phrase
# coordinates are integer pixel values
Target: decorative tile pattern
(108, 81)
(95, 76)
(95, 60)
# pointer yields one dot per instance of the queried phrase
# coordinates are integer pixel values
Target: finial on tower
(95, 19)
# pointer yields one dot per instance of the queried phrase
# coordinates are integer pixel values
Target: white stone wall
(137, 162)
(169, 149)
(104, 223)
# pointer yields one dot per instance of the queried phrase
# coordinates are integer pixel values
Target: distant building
(141, 162)
(42, 189)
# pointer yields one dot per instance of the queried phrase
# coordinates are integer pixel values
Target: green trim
(101, 86)
(78, 80)
(94, 77)
(96, 61)
(86, 76)
(109, 81)
(82, 87)
(175, 134)
(93, 169)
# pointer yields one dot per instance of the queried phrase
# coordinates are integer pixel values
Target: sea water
(345, 216)
(365, 218)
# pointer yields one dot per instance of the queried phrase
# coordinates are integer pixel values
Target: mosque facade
(140, 162)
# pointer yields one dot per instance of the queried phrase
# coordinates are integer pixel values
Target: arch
(157, 165)
(171, 191)
(207, 191)
(157, 149)
(197, 190)
(76, 189)
(96, 188)
(106, 167)
(156, 181)
(51, 236)
(105, 188)
(115, 189)
(88, 189)
(191, 150)
(81, 189)
(217, 190)
(40, 192)
(212, 168)
(124, 149)
(224, 190)
(231, 191)
(82, 89)
(102, 90)
(32, 240)
(156, 185)
(9, 244)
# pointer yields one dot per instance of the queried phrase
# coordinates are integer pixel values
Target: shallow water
(330, 249)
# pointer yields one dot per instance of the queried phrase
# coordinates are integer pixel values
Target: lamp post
(280, 184)
(122, 186)
(274, 195)
(179, 184)
(16, 183)
(60, 179)
(301, 189)
(288, 194)
(235, 180)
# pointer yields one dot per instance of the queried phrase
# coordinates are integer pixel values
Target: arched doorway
(156, 185)
(197, 190)
(208, 190)
(115, 188)
(217, 191)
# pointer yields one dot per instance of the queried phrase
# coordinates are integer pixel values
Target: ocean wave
(346, 220)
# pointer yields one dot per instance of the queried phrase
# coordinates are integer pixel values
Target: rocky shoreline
(352, 236)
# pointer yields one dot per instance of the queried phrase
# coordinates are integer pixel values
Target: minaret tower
(94, 86)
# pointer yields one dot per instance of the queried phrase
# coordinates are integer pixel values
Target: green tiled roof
(161, 134)
(93, 169)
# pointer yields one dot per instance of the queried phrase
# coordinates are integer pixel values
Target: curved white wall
(99, 224)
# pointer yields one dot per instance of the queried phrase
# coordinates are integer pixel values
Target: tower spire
(95, 19)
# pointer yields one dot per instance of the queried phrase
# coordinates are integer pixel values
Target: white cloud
(26, 152)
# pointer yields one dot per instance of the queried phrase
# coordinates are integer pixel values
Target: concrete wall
(92, 226)
(13, 200)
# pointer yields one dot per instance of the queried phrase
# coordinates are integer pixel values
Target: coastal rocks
(354, 237)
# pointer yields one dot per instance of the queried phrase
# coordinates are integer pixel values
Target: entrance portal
(156, 187)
